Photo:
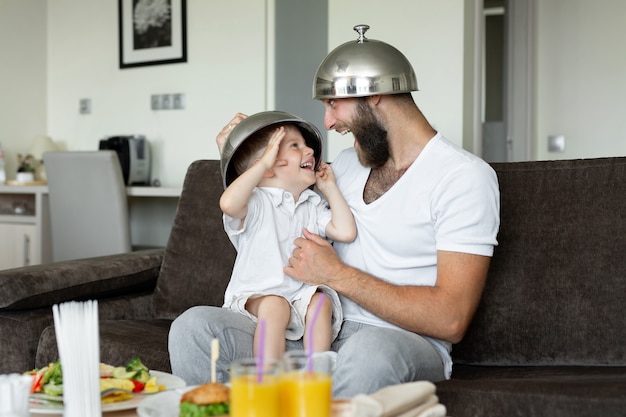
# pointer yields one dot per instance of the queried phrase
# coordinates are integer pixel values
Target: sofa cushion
(125, 308)
(556, 284)
(120, 340)
(106, 276)
(45, 285)
(199, 257)
(551, 391)
(20, 332)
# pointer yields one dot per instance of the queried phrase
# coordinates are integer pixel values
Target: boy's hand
(325, 177)
(268, 159)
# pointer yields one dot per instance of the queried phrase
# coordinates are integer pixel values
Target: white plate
(163, 404)
(163, 378)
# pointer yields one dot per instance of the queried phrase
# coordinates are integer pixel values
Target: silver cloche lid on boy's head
(366, 67)
(252, 124)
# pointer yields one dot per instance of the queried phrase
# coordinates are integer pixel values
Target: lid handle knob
(361, 29)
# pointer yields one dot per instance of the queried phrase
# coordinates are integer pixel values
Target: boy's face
(299, 172)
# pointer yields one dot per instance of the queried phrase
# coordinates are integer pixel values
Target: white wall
(225, 73)
(581, 77)
(53, 53)
(22, 76)
(430, 34)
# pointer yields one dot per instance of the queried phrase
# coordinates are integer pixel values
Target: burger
(212, 399)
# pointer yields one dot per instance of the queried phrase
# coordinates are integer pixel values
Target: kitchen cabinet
(24, 226)
(18, 243)
(25, 221)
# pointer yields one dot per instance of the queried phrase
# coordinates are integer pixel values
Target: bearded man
(427, 215)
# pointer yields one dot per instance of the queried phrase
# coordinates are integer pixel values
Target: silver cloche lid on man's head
(366, 67)
(252, 124)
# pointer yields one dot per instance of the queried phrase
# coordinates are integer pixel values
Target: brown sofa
(547, 340)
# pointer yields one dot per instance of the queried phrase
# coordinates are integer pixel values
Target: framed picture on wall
(152, 32)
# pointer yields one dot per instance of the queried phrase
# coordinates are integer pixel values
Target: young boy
(265, 208)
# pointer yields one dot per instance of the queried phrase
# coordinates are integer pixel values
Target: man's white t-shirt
(448, 199)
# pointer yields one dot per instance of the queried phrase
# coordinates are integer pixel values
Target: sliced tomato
(36, 385)
(139, 386)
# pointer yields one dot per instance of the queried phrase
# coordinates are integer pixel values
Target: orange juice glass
(305, 387)
(254, 393)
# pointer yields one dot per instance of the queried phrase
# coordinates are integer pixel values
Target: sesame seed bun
(211, 393)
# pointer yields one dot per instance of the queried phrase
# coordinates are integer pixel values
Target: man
(427, 215)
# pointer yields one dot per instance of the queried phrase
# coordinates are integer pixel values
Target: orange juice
(305, 394)
(251, 398)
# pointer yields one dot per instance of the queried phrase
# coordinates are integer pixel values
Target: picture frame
(152, 32)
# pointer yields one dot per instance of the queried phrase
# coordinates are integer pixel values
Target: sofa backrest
(556, 288)
(199, 257)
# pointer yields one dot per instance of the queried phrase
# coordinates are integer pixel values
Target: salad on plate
(116, 383)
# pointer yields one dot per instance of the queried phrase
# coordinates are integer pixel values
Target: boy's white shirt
(264, 243)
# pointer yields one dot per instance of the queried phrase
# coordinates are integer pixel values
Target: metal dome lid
(363, 68)
(252, 124)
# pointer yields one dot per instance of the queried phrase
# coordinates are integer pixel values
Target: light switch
(84, 106)
(155, 102)
(179, 101)
(174, 101)
(166, 101)
(556, 143)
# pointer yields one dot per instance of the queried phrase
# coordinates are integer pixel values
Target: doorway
(506, 50)
(493, 97)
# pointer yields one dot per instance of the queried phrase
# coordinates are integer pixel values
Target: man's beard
(371, 136)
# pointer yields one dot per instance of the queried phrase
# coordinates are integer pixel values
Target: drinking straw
(215, 352)
(316, 312)
(261, 358)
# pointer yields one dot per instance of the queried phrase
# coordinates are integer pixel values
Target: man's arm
(443, 311)
(221, 137)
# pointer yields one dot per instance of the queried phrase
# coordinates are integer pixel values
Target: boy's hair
(252, 148)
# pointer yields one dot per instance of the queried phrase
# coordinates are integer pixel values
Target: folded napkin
(413, 399)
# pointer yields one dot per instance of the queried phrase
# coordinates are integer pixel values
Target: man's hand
(314, 261)
(443, 311)
(221, 137)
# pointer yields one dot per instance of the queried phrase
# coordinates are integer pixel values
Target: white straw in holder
(78, 340)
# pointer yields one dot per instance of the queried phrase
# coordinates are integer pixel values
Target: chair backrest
(88, 204)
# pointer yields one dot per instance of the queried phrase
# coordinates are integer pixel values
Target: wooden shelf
(26, 183)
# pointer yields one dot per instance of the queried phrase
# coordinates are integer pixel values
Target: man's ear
(374, 99)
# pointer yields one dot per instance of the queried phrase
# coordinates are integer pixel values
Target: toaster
(134, 154)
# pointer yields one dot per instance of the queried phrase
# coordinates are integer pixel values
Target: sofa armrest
(93, 278)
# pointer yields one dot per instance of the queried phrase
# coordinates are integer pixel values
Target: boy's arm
(342, 226)
(234, 200)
